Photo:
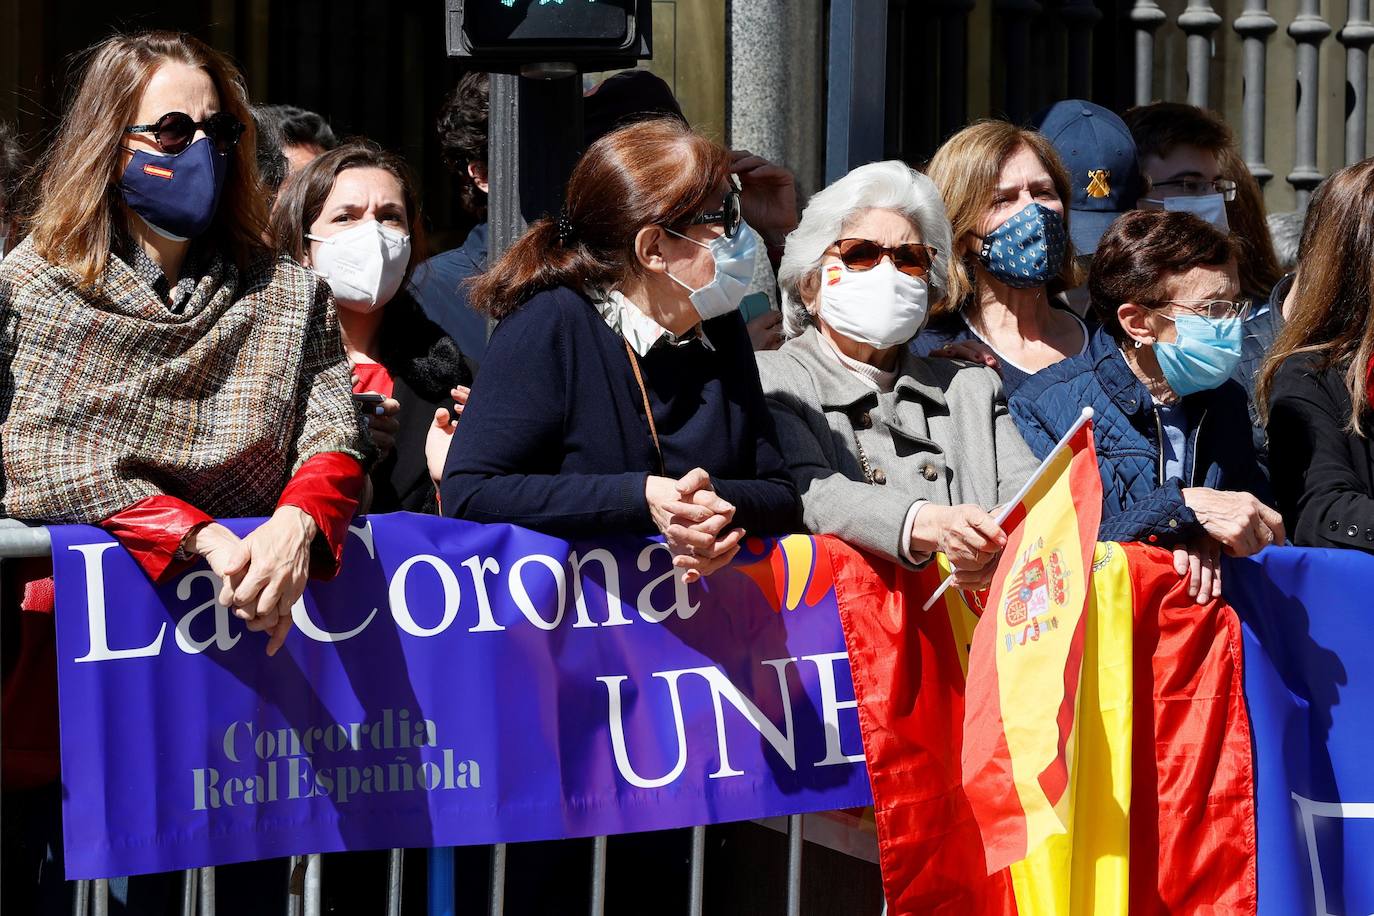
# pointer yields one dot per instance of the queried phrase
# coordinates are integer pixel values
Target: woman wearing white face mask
(353, 216)
(619, 391)
(899, 454)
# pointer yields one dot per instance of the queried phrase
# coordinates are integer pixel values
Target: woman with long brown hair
(1318, 383)
(1007, 196)
(164, 366)
(619, 391)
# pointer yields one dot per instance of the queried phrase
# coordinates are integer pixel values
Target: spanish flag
(1140, 776)
(1027, 657)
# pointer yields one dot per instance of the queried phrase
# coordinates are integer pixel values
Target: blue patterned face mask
(1027, 250)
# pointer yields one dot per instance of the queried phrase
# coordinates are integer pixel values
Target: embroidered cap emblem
(1098, 185)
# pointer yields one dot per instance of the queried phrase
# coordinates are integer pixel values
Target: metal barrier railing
(304, 886)
(304, 890)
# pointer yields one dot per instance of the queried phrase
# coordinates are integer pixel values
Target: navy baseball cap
(1100, 157)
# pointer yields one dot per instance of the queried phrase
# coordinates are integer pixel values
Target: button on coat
(942, 435)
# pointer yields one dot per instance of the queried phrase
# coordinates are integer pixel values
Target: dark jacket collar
(475, 245)
(1126, 391)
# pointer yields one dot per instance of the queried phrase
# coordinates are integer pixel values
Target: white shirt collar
(642, 332)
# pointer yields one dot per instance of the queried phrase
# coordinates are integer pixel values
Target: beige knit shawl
(107, 397)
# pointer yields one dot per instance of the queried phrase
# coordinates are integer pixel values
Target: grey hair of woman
(890, 185)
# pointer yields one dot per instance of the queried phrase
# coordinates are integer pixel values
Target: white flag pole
(1012, 503)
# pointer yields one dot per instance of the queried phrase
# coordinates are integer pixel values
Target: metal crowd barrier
(304, 881)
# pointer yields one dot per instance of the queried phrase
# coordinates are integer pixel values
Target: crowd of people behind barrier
(212, 310)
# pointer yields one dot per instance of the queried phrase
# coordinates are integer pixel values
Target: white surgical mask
(881, 307)
(1209, 207)
(364, 264)
(735, 259)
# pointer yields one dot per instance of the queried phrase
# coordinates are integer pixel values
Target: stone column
(1146, 17)
(1254, 26)
(1357, 36)
(775, 96)
(1308, 29)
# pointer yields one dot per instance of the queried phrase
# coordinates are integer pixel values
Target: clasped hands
(263, 574)
(1236, 524)
(692, 517)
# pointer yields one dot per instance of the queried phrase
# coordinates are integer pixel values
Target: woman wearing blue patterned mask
(1178, 466)
(1007, 196)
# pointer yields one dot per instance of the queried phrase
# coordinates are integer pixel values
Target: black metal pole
(534, 140)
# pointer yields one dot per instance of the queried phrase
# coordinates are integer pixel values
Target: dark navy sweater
(554, 437)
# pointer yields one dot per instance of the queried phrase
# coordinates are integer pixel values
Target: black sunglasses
(175, 130)
(729, 215)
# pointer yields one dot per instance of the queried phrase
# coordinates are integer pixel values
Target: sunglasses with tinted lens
(175, 130)
(862, 254)
(729, 215)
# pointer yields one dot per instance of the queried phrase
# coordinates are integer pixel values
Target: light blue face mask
(735, 259)
(1205, 354)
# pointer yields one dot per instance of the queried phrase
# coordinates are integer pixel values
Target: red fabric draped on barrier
(908, 669)
(1193, 792)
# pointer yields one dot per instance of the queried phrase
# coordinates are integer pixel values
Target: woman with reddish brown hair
(1318, 383)
(619, 391)
(164, 367)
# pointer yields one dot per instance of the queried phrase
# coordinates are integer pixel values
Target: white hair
(890, 185)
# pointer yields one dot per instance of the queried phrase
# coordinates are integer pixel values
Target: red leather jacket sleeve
(152, 530)
(326, 488)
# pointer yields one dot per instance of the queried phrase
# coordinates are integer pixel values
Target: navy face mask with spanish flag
(176, 195)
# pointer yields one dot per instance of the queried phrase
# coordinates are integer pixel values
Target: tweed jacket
(942, 435)
(107, 397)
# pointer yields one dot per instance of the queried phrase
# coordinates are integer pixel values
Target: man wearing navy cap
(1100, 157)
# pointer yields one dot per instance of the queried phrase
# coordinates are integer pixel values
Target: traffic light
(506, 35)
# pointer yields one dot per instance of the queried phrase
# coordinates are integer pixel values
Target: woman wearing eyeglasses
(1007, 196)
(619, 391)
(1178, 466)
(163, 367)
(899, 454)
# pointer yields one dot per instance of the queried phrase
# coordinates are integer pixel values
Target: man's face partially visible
(1171, 175)
(299, 155)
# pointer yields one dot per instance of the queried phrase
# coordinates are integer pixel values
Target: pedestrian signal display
(507, 32)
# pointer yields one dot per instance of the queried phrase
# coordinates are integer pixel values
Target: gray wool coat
(942, 435)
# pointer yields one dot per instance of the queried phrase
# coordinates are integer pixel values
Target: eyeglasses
(175, 130)
(912, 259)
(1196, 187)
(1212, 308)
(729, 215)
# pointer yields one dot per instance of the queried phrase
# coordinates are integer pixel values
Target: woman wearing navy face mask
(619, 392)
(1007, 195)
(164, 367)
(1178, 466)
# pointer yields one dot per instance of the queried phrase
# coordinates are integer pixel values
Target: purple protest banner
(456, 684)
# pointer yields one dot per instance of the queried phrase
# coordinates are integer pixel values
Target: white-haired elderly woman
(899, 454)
